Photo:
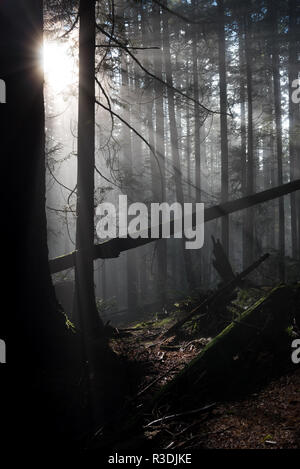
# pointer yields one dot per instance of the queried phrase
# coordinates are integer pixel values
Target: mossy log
(225, 362)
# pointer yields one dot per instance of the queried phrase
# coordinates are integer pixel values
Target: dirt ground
(268, 418)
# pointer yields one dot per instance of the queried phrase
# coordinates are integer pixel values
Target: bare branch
(168, 85)
(128, 47)
(138, 134)
(175, 13)
(58, 182)
(59, 209)
(71, 28)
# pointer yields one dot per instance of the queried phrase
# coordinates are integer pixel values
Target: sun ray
(59, 65)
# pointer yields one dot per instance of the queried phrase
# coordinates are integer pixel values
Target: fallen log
(113, 247)
(226, 360)
(215, 296)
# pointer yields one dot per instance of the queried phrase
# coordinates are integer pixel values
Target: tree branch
(122, 46)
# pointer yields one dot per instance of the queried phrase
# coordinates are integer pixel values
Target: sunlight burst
(59, 65)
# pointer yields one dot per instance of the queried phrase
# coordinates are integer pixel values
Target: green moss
(162, 322)
(224, 355)
(142, 325)
(70, 325)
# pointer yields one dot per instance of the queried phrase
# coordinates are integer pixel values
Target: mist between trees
(194, 102)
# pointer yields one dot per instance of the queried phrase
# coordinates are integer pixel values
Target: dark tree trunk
(22, 149)
(249, 225)
(174, 141)
(243, 128)
(32, 326)
(132, 278)
(188, 147)
(160, 149)
(85, 305)
(196, 111)
(223, 121)
(278, 126)
(294, 124)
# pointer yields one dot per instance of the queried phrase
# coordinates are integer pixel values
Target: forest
(151, 226)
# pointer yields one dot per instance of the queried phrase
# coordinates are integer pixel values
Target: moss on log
(225, 362)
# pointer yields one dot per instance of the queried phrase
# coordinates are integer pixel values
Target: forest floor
(266, 417)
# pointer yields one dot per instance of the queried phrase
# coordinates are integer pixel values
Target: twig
(128, 47)
(57, 181)
(71, 28)
(152, 75)
(182, 414)
(175, 13)
(156, 380)
(138, 134)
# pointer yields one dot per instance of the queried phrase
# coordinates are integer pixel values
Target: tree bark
(174, 140)
(33, 327)
(278, 126)
(294, 125)
(132, 290)
(223, 121)
(243, 129)
(85, 304)
(249, 226)
(196, 110)
(162, 260)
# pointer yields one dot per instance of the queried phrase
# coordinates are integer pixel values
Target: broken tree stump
(224, 362)
(217, 295)
(221, 262)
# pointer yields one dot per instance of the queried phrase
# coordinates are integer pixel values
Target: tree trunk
(243, 129)
(132, 289)
(174, 141)
(85, 304)
(249, 227)
(223, 121)
(33, 328)
(278, 126)
(196, 110)
(160, 148)
(294, 125)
